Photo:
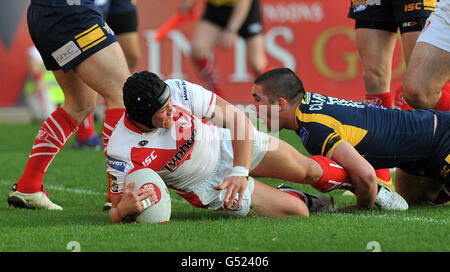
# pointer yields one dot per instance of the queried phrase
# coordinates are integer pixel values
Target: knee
(413, 95)
(376, 78)
(301, 211)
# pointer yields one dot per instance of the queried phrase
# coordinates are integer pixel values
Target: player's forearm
(239, 14)
(242, 140)
(115, 216)
(117, 213)
(360, 171)
(366, 192)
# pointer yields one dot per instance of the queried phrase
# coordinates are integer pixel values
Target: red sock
(384, 174)
(399, 101)
(208, 73)
(297, 195)
(384, 99)
(334, 176)
(444, 102)
(52, 136)
(112, 116)
(86, 129)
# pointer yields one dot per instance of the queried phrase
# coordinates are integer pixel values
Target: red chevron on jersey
(169, 158)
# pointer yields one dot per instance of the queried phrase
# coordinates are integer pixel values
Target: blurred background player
(83, 53)
(121, 17)
(376, 26)
(222, 22)
(427, 75)
(43, 95)
(42, 92)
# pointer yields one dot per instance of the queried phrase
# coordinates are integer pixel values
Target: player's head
(275, 93)
(145, 95)
(281, 82)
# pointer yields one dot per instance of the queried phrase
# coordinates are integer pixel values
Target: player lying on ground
(363, 137)
(211, 164)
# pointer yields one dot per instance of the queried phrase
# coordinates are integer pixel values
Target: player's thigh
(256, 53)
(271, 202)
(428, 70)
(408, 42)
(106, 71)
(416, 190)
(79, 98)
(428, 63)
(285, 162)
(130, 45)
(205, 38)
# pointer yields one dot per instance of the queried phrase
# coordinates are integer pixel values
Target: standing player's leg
(408, 41)
(97, 61)
(123, 19)
(256, 54)
(53, 135)
(252, 31)
(410, 24)
(130, 45)
(376, 48)
(204, 40)
(426, 78)
(105, 72)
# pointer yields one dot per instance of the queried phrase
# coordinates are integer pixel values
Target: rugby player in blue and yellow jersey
(362, 137)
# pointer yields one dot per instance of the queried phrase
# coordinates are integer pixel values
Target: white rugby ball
(160, 209)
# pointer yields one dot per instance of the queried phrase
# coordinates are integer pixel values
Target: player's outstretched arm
(227, 115)
(361, 173)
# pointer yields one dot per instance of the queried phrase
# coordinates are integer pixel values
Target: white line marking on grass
(76, 191)
(395, 217)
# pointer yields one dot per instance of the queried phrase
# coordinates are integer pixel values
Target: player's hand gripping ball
(158, 207)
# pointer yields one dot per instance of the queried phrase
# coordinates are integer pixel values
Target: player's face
(164, 117)
(262, 105)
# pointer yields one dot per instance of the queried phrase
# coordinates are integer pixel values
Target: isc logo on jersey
(150, 158)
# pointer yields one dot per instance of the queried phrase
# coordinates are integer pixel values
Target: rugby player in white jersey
(209, 152)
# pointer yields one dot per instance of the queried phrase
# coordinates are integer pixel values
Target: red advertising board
(313, 37)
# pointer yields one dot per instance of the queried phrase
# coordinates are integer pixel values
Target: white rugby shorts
(437, 28)
(212, 198)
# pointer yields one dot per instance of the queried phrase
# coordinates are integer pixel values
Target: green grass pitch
(76, 180)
